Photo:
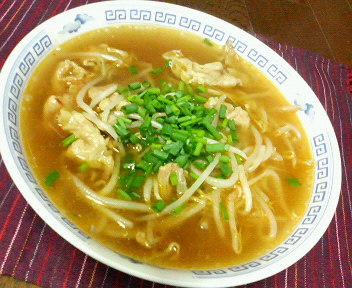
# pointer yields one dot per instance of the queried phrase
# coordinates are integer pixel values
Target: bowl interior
(43, 39)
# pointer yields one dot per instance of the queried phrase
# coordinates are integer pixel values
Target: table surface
(320, 26)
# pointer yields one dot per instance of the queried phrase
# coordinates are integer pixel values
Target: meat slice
(239, 115)
(90, 145)
(99, 93)
(70, 72)
(212, 74)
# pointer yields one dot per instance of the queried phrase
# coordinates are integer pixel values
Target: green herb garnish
(159, 206)
(293, 182)
(69, 140)
(51, 178)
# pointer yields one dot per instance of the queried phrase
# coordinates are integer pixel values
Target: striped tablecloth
(32, 251)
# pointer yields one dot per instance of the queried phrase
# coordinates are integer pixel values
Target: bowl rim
(66, 234)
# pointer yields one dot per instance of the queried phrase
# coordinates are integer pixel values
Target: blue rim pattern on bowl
(322, 142)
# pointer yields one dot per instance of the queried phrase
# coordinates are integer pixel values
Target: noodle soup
(166, 147)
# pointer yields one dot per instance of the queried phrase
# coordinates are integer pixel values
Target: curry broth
(200, 248)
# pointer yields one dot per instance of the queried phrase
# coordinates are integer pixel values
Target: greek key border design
(39, 46)
(193, 25)
(31, 55)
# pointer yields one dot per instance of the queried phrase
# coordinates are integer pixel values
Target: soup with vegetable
(166, 147)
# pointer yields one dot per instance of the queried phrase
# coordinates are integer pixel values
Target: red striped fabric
(31, 251)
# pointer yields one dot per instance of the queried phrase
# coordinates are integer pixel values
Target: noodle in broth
(171, 151)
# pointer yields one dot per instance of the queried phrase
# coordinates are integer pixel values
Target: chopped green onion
(224, 211)
(173, 148)
(293, 182)
(83, 167)
(167, 129)
(184, 119)
(234, 136)
(143, 165)
(133, 69)
(157, 145)
(126, 120)
(198, 149)
(154, 91)
(185, 98)
(224, 159)
(123, 180)
(226, 170)
(153, 139)
(208, 42)
(186, 165)
(202, 89)
(157, 104)
(168, 63)
(161, 154)
(120, 130)
(146, 84)
(200, 99)
(178, 210)
(194, 176)
(189, 89)
(185, 124)
(168, 109)
(200, 164)
(135, 85)
(178, 135)
(159, 206)
(224, 123)
(181, 160)
(157, 166)
(209, 158)
(137, 182)
(239, 159)
(130, 108)
(122, 123)
(165, 87)
(199, 133)
(135, 99)
(173, 179)
(181, 85)
(124, 195)
(122, 90)
(149, 170)
(175, 109)
(212, 130)
(171, 120)
(150, 108)
(212, 111)
(216, 147)
(51, 178)
(178, 93)
(161, 98)
(134, 139)
(222, 112)
(147, 122)
(129, 181)
(232, 125)
(142, 111)
(157, 71)
(200, 140)
(144, 92)
(136, 195)
(69, 140)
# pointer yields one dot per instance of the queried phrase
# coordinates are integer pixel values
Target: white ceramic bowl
(43, 39)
